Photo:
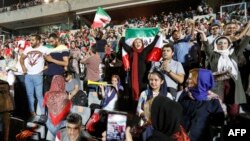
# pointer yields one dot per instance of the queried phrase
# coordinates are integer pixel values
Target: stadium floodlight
(46, 1)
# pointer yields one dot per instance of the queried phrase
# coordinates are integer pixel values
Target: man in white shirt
(33, 71)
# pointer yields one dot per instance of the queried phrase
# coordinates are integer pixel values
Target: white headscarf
(225, 63)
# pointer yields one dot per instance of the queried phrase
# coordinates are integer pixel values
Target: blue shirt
(181, 49)
(57, 53)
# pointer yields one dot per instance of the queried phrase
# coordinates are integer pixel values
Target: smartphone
(116, 126)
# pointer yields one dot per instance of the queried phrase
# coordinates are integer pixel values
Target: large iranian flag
(101, 18)
(147, 35)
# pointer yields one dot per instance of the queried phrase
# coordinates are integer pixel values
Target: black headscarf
(166, 118)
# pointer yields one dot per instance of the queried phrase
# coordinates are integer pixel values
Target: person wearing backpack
(77, 96)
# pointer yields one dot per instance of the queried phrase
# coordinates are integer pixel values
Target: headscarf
(166, 118)
(225, 63)
(205, 82)
(135, 77)
(56, 99)
(163, 89)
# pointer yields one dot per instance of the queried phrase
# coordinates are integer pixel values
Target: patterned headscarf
(56, 99)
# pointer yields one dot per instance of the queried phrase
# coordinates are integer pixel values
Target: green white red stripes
(147, 35)
(101, 18)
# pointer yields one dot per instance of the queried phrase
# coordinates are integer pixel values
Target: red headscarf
(56, 99)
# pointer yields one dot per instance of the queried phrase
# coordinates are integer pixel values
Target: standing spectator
(57, 59)
(215, 32)
(223, 60)
(231, 30)
(139, 67)
(75, 54)
(100, 43)
(172, 70)
(112, 40)
(74, 61)
(92, 62)
(182, 47)
(199, 105)
(21, 99)
(34, 73)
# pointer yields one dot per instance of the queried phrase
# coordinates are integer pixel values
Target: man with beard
(57, 59)
(33, 71)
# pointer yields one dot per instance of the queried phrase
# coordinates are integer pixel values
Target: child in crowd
(157, 86)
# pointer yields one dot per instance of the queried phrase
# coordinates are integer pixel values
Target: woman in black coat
(139, 66)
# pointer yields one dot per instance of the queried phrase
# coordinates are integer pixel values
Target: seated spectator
(77, 96)
(73, 130)
(110, 94)
(71, 85)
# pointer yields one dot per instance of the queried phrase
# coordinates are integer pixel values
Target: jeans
(55, 128)
(35, 82)
(102, 55)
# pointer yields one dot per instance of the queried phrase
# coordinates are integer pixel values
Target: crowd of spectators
(22, 4)
(96, 55)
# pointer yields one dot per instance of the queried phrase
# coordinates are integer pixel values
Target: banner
(101, 18)
(147, 35)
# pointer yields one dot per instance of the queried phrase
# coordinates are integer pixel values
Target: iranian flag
(147, 35)
(101, 18)
(22, 44)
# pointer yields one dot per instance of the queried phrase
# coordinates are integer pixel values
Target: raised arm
(243, 33)
(243, 44)
(126, 47)
(207, 47)
(151, 46)
(102, 91)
